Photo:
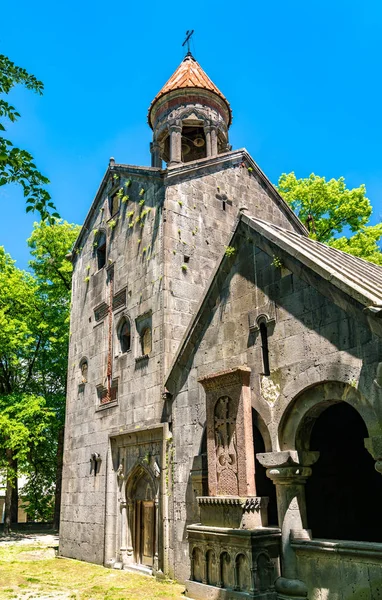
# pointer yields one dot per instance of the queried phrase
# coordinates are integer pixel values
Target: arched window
(125, 335)
(344, 492)
(146, 341)
(101, 250)
(84, 370)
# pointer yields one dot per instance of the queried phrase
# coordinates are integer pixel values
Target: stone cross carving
(230, 451)
(225, 439)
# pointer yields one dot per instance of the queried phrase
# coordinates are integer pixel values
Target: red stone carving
(230, 453)
(225, 444)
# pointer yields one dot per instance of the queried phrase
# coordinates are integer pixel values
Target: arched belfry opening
(189, 117)
(193, 143)
(344, 492)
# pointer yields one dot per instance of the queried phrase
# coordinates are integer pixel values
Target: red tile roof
(189, 74)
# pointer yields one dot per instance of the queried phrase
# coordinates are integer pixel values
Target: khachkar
(233, 552)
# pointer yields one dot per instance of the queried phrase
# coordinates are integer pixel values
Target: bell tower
(189, 117)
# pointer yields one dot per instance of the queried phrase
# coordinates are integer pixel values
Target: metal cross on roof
(187, 40)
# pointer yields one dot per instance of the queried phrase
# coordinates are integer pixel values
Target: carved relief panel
(225, 446)
(229, 433)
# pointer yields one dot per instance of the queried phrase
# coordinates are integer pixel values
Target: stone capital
(374, 446)
(288, 467)
(175, 126)
(289, 475)
(232, 377)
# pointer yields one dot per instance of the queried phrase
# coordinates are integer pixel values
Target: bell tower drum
(189, 117)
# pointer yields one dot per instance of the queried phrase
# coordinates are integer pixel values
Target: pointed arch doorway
(142, 501)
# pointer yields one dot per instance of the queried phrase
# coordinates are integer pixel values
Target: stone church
(224, 408)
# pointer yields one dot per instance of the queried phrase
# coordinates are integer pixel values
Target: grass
(32, 571)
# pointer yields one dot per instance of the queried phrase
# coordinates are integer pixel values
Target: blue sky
(303, 79)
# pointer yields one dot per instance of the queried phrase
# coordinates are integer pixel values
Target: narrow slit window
(101, 251)
(264, 347)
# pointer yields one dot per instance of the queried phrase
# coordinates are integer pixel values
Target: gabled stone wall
(311, 341)
(148, 279)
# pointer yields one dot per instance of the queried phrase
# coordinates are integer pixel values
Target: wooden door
(147, 533)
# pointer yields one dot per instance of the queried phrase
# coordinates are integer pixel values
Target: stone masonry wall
(312, 340)
(136, 254)
(344, 576)
(201, 209)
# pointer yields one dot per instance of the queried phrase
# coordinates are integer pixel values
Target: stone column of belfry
(214, 141)
(289, 472)
(207, 133)
(156, 160)
(175, 132)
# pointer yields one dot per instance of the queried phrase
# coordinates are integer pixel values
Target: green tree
(34, 329)
(327, 208)
(50, 244)
(25, 422)
(17, 165)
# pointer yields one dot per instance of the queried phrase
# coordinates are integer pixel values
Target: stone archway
(332, 420)
(343, 472)
(299, 417)
(142, 522)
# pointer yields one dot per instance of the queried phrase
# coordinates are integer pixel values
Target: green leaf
(327, 208)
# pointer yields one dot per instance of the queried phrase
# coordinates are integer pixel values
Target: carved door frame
(132, 452)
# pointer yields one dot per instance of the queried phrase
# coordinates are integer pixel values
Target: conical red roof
(189, 74)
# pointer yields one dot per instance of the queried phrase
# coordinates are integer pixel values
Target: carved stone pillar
(130, 522)
(253, 572)
(175, 132)
(231, 465)
(374, 446)
(156, 160)
(207, 133)
(123, 507)
(214, 141)
(156, 541)
(204, 569)
(192, 567)
(219, 574)
(289, 471)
